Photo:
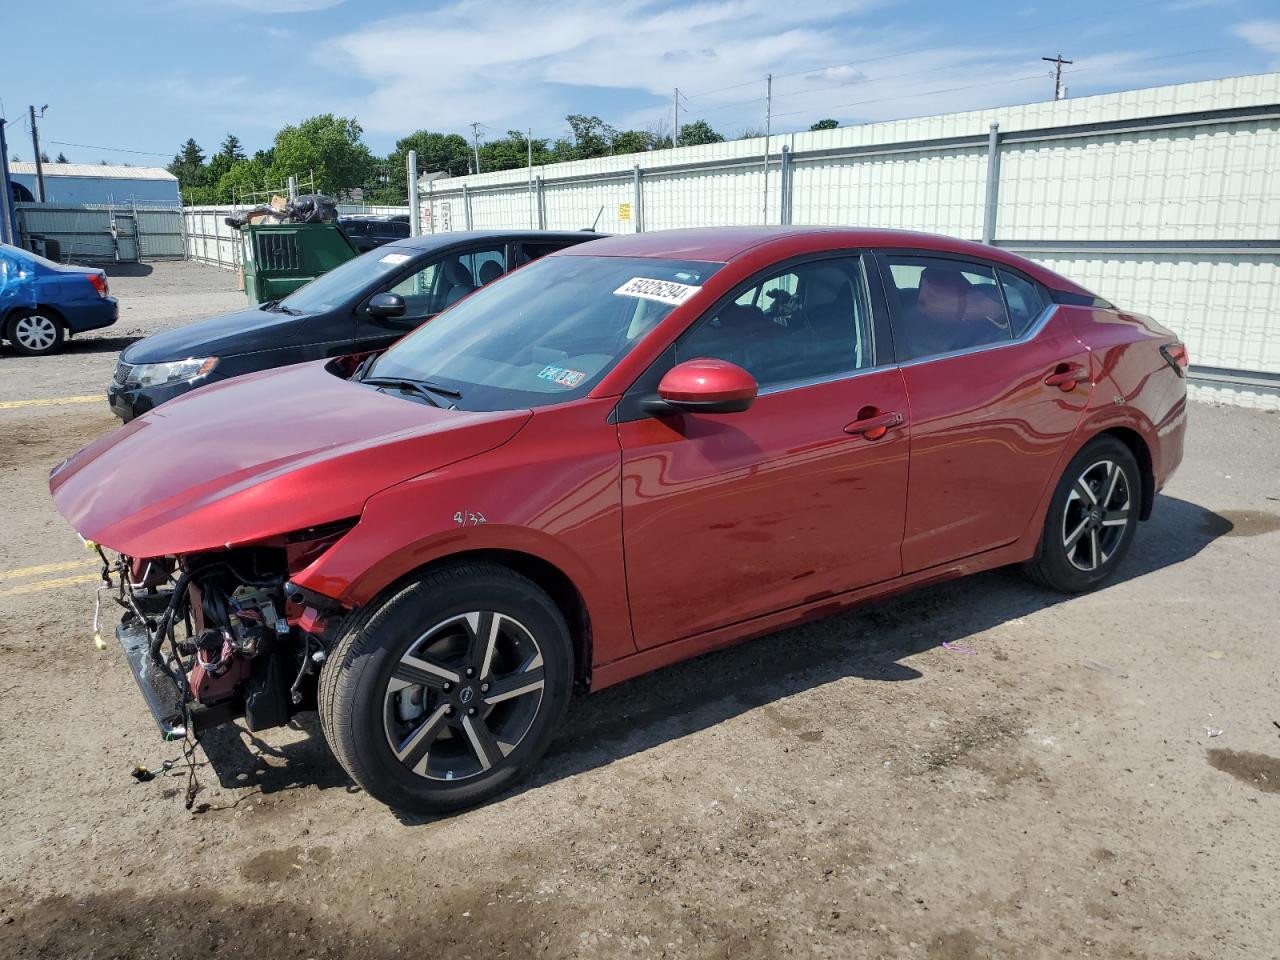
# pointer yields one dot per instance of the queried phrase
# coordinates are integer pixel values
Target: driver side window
(445, 281)
(418, 292)
(807, 322)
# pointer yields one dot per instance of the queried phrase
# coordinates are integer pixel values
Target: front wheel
(1091, 519)
(449, 691)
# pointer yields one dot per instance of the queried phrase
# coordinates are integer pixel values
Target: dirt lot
(979, 769)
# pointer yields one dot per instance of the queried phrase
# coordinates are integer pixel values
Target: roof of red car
(722, 244)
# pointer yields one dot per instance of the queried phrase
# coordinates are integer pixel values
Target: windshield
(546, 333)
(345, 281)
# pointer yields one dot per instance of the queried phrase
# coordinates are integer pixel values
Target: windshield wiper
(404, 383)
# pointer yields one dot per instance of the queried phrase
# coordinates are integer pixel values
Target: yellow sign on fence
(624, 211)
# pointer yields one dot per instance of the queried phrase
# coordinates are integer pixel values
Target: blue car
(42, 302)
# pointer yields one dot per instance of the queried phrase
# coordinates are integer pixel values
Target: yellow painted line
(53, 402)
(38, 585)
(46, 568)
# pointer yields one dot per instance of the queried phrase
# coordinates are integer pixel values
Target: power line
(90, 146)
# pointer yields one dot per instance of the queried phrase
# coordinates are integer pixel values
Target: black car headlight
(155, 374)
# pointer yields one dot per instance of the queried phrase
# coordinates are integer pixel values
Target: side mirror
(386, 305)
(704, 386)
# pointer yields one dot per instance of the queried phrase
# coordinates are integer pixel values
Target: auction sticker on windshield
(562, 376)
(661, 291)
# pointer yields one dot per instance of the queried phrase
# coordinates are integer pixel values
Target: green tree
(188, 166)
(44, 157)
(592, 137)
(636, 141)
(697, 133)
(61, 158)
(827, 124)
(437, 152)
(512, 152)
(231, 148)
(328, 146)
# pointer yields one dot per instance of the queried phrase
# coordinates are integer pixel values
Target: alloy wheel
(463, 695)
(1096, 515)
(35, 332)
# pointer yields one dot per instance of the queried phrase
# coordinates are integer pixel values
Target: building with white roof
(96, 183)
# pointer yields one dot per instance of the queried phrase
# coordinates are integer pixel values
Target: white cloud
(1263, 34)
(508, 64)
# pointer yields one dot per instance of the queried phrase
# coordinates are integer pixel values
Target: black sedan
(365, 304)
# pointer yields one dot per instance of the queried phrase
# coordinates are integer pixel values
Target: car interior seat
(489, 271)
(459, 280)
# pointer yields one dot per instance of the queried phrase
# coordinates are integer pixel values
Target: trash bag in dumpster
(312, 208)
(308, 208)
(17, 280)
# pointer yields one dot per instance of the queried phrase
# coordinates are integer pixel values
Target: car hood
(258, 456)
(232, 333)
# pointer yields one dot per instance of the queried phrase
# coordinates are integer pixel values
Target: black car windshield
(546, 333)
(345, 281)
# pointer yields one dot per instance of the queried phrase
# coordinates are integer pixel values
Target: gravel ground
(1090, 777)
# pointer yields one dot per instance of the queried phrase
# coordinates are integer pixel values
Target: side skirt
(606, 675)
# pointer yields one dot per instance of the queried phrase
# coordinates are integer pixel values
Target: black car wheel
(449, 691)
(35, 333)
(1091, 519)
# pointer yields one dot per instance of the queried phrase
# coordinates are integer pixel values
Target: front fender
(552, 493)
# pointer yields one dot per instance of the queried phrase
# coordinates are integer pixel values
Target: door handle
(874, 427)
(1065, 376)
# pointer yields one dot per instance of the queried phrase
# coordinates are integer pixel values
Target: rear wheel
(35, 332)
(449, 691)
(1091, 519)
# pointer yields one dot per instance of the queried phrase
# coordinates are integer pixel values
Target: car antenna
(596, 223)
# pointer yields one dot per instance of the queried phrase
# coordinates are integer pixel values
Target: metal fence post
(542, 213)
(466, 205)
(993, 185)
(414, 212)
(784, 175)
(638, 214)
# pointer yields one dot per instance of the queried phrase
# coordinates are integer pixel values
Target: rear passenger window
(807, 322)
(1024, 300)
(944, 306)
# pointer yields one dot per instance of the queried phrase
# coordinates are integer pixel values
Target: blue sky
(144, 75)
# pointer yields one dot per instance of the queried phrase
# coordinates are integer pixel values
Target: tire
(404, 718)
(35, 333)
(1091, 519)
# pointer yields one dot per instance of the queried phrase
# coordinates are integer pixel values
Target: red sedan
(622, 455)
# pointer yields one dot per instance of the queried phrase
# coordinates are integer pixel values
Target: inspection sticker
(396, 258)
(662, 291)
(562, 376)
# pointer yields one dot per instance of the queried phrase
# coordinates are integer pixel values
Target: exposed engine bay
(218, 636)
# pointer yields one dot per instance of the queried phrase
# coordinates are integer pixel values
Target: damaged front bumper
(239, 648)
(159, 689)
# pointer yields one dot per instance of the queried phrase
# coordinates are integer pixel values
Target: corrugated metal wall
(104, 232)
(1164, 200)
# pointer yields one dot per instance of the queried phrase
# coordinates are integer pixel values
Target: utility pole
(475, 142)
(529, 141)
(35, 145)
(1059, 91)
(768, 121)
(675, 118)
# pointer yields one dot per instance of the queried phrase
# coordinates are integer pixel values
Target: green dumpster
(278, 258)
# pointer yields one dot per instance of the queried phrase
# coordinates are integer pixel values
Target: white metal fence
(209, 240)
(1164, 200)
